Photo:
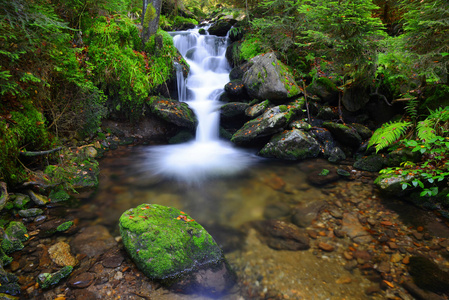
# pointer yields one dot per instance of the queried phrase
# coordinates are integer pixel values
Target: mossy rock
(46, 280)
(165, 242)
(372, 163)
(291, 145)
(14, 235)
(344, 134)
(58, 196)
(392, 184)
(175, 112)
(8, 285)
(233, 110)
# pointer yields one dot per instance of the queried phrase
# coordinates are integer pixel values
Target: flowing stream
(207, 156)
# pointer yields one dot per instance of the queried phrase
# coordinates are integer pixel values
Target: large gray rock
(292, 145)
(344, 134)
(268, 78)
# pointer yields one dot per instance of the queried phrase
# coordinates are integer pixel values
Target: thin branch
(38, 153)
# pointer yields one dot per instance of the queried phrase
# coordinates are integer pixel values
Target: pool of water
(226, 207)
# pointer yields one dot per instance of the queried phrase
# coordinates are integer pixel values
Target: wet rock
(305, 213)
(392, 184)
(31, 212)
(383, 267)
(372, 163)
(81, 281)
(221, 27)
(272, 121)
(112, 259)
(276, 210)
(336, 155)
(362, 130)
(291, 145)
(320, 178)
(169, 245)
(21, 201)
(50, 227)
(301, 125)
(281, 235)
(92, 241)
(257, 109)
(38, 199)
(8, 283)
(427, 275)
(233, 110)
(268, 78)
(325, 247)
(352, 227)
(46, 280)
(344, 134)
(324, 88)
(13, 236)
(175, 112)
(60, 254)
(4, 196)
(235, 89)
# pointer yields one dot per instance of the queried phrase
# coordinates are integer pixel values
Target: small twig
(37, 153)
(376, 93)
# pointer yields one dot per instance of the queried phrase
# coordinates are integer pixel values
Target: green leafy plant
(388, 134)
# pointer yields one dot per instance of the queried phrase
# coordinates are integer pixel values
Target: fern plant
(388, 134)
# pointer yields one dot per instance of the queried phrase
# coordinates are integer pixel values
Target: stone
(268, 78)
(13, 236)
(257, 109)
(91, 152)
(8, 284)
(282, 235)
(291, 145)
(31, 212)
(336, 155)
(344, 134)
(221, 27)
(418, 293)
(305, 213)
(270, 122)
(355, 98)
(92, 241)
(4, 196)
(235, 89)
(38, 199)
(362, 130)
(169, 245)
(58, 196)
(318, 178)
(352, 227)
(325, 247)
(21, 201)
(233, 110)
(81, 281)
(46, 280)
(276, 210)
(391, 184)
(372, 163)
(60, 254)
(175, 112)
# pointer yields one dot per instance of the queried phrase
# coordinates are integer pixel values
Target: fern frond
(388, 134)
(412, 107)
(425, 130)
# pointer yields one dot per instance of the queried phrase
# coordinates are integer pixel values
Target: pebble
(348, 255)
(396, 257)
(325, 247)
(60, 254)
(81, 281)
(343, 280)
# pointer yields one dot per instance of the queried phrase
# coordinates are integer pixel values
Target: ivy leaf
(404, 186)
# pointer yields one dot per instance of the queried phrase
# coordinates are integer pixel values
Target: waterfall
(207, 156)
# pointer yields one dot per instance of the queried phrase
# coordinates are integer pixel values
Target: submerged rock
(282, 235)
(427, 275)
(46, 280)
(268, 78)
(291, 145)
(372, 163)
(168, 245)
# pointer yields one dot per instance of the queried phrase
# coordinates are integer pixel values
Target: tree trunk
(150, 18)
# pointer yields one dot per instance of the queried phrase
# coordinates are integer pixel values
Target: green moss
(150, 14)
(164, 241)
(59, 195)
(46, 280)
(64, 226)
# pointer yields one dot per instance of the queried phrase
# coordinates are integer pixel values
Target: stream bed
(335, 266)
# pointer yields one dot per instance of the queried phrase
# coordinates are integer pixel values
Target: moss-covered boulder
(9, 284)
(233, 110)
(392, 184)
(221, 27)
(257, 109)
(344, 134)
(3, 195)
(291, 145)
(272, 121)
(46, 280)
(175, 112)
(325, 89)
(13, 236)
(235, 89)
(169, 245)
(268, 78)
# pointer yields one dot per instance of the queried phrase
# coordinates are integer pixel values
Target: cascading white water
(207, 155)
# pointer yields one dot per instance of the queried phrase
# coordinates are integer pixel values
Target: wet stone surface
(360, 245)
